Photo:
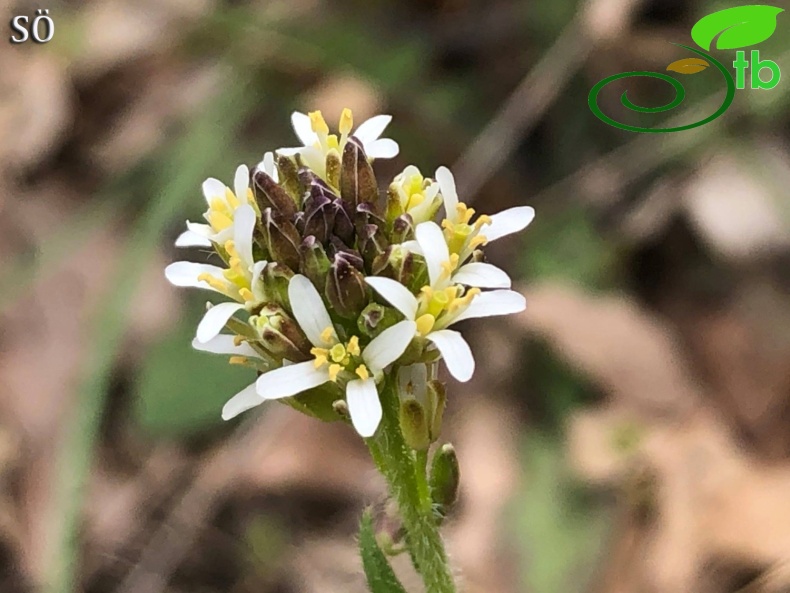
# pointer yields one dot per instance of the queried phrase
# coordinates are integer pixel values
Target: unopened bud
(346, 289)
(341, 409)
(281, 334)
(436, 397)
(403, 229)
(289, 178)
(276, 278)
(319, 216)
(357, 180)
(344, 227)
(445, 477)
(375, 318)
(414, 424)
(372, 243)
(268, 194)
(314, 261)
(281, 238)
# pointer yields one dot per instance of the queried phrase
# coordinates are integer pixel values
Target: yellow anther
(327, 335)
(238, 340)
(353, 346)
(318, 123)
(477, 242)
(415, 200)
(427, 291)
(246, 294)
(464, 301)
(219, 205)
(333, 142)
(230, 247)
(334, 371)
(238, 360)
(465, 213)
(449, 266)
(346, 121)
(212, 281)
(337, 353)
(482, 220)
(362, 372)
(231, 198)
(425, 324)
(446, 224)
(219, 221)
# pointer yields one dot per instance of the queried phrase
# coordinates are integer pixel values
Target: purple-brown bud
(268, 194)
(357, 181)
(281, 239)
(346, 289)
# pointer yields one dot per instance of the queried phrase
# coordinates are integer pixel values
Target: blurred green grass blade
(561, 532)
(380, 576)
(205, 141)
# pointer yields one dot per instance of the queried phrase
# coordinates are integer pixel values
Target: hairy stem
(407, 480)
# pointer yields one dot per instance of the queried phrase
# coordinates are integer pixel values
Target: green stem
(406, 476)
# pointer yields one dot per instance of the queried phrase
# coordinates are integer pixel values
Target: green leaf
(181, 391)
(740, 26)
(381, 578)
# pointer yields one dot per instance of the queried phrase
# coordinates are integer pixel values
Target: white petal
(364, 406)
(201, 229)
(309, 310)
(456, 353)
(185, 273)
(495, 302)
(508, 222)
(290, 380)
(395, 294)
(370, 129)
(243, 227)
(213, 188)
(225, 344)
(434, 248)
(384, 148)
(412, 246)
(450, 195)
(267, 165)
(303, 129)
(291, 151)
(257, 270)
(241, 182)
(482, 275)
(387, 347)
(192, 239)
(214, 320)
(241, 402)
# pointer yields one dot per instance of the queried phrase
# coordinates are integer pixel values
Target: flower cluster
(334, 288)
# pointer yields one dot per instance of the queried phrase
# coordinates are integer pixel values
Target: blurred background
(629, 433)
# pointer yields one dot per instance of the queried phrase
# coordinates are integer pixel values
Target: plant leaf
(688, 66)
(381, 578)
(740, 26)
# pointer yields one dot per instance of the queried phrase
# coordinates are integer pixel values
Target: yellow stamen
(246, 294)
(353, 346)
(238, 360)
(318, 123)
(415, 200)
(464, 301)
(362, 372)
(238, 340)
(337, 352)
(213, 282)
(230, 247)
(449, 266)
(427, 291)
(334, 370)
(346, 121)
(231, 198)
(465, 213)
(219, 221)
(333, 142)
(425, 324)
(477, 242)
(482, 220)
(327, 335)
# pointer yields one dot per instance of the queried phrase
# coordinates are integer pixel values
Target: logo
(732, 28)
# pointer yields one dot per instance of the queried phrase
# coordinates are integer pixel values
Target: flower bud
(268, 194)
(341, 409)
(280, 334)
(372, 243)
(281, 239)
(375, 318)
(344, 227)
(414, 424)
(333, 168)
(314, 261)
(436, 396)
(403, 229)
(445, 477)
(276, 278)
(319, 216)
(289, 178)
(346, 289)
(357, 181)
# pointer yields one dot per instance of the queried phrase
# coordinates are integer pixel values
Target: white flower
(313, 132)
(444, 302)
(343, 363)
(416, 195)
(222, 205)
(462, 237)
(241, 281)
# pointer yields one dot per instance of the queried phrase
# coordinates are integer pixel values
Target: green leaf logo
(736, 27)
